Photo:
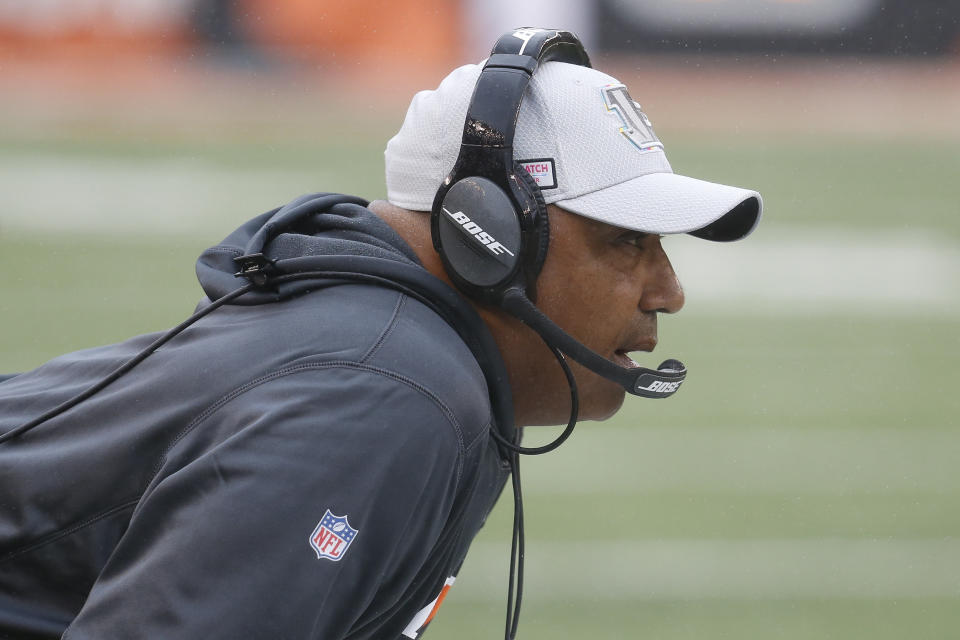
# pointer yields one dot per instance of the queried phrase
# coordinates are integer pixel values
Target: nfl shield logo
(332, 537)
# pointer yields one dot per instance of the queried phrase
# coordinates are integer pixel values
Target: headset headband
(495, 104)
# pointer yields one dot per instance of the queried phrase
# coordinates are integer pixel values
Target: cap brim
(666, 203)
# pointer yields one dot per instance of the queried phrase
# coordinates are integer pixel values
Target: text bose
(477, 232)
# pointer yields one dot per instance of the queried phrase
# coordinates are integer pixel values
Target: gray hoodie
(309, 461)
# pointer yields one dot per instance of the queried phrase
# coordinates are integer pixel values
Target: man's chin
(598, 399)
(602, 403)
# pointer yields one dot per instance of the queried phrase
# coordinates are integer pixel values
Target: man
(311, 455)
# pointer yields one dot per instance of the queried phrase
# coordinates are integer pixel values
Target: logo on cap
(332, 537)
(636, 126)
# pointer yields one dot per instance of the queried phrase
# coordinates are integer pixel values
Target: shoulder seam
(401, 299)
(68, 530)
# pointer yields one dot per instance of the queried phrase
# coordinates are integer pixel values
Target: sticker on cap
(542, 171)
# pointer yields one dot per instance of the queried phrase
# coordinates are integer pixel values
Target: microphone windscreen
(671, 364)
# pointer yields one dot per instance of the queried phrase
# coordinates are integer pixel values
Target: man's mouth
(621, 357)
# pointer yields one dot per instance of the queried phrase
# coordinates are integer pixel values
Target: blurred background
(805, 482)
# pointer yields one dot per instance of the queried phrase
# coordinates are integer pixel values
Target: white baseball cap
(587, 144)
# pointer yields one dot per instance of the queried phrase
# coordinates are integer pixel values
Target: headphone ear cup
(539, 225)
(480, 235)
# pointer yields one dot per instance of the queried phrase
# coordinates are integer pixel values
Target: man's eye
(635, 238)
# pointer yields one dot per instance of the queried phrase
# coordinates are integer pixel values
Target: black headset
(489, 221)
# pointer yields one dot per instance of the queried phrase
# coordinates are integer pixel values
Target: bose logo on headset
(661, 387)
(477, 232)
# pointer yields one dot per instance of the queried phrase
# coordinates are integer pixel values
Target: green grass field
(803, 484)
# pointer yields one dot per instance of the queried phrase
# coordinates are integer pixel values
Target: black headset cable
(172, 333)
(125, 367)
(517, 550)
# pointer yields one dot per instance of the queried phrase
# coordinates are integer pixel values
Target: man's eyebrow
(621, 232)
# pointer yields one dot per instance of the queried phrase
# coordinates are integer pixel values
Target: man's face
(604, 285)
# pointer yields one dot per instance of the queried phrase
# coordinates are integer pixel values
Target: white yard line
(823, 461)
(165, 196)
(795, 271)
(786, 271)
(718, 569)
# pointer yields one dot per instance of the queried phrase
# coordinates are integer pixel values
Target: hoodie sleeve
(302, 506)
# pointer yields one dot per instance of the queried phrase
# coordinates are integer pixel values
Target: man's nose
(663, 291)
